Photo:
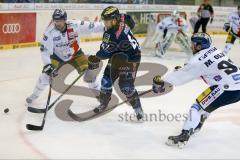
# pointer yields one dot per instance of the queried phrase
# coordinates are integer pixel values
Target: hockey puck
(6, 110)
(177, 67)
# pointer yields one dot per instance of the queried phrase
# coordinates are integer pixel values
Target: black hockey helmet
(109, 13)
(59, 14)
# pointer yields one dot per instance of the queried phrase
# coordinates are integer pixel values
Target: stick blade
(33, 127)
(36, 110)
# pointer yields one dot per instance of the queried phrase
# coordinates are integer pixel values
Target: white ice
(108, 136)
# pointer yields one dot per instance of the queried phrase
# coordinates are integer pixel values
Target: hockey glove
(226, 27)
(158, 84)
(93, 62)
(49, 70)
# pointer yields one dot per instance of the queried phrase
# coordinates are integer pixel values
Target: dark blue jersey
(120, 40)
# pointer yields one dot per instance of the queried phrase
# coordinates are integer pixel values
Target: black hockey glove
(93, 62)
(49, 70)
(226, 27)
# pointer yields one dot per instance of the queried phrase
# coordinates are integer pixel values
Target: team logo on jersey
(236, 77)
(106, 37)
(217, 78)
(57, 38)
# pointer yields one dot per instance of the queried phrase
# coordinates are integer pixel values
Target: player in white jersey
(61, 45)
(169, 29)
(232, 26)
(217, 70)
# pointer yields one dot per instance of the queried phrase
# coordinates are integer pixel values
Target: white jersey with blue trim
(234, 20)
(66, 44)
(210, 64)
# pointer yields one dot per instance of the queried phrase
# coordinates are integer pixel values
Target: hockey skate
(100, 108)
(181, 140)
(139, 113)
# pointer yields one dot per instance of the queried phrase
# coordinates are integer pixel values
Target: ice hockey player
(232, 26)
(172, 28)
(60, 45)
(123, 53)
(217, 70)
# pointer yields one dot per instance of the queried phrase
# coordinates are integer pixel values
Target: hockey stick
(37, 110)
(39, 128)
(91, 114)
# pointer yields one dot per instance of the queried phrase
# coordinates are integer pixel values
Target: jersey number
(133, 42)
(227, 66)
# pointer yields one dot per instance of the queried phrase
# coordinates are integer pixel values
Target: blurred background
(228, 3)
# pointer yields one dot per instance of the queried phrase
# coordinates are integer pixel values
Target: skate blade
(179, 145)
(170, 142)
(29, 104)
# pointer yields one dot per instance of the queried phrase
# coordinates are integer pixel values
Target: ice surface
(108, 136)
